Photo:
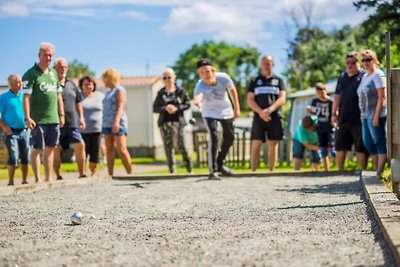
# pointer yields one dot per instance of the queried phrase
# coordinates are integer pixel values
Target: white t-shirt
(215, 102)
(368, 94)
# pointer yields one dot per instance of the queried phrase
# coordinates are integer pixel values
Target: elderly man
(346, 113)
(74, 121)
(265, 95)
(13, 124)
(44, 109)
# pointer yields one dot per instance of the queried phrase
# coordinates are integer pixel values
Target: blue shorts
(45, 135)
(298, 152)
(374, 138)
(108, 131)
(70, 136)
(17, 147)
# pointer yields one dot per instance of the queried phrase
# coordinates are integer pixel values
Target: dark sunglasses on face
(351, 63)
(166, 78)
(366, 60)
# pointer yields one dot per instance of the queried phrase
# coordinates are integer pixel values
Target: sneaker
(82, 176)
(213, 176)
(59, 178)
(225, 171)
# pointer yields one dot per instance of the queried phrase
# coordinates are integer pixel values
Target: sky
(139, 37)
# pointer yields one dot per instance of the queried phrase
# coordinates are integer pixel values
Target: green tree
(238, 62)
(77, 69)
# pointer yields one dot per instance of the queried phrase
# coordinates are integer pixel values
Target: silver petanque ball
(76, 218)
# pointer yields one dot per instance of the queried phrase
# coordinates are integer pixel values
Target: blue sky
(128, 34)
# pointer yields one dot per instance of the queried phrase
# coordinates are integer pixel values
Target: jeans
(18, 147)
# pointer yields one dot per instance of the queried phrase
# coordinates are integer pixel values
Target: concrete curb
(386, 208)
(238, 175)
(30, 188)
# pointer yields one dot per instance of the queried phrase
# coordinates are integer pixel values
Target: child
(321, 106)
(305, 136)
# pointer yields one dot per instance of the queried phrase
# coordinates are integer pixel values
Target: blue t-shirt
(12, 110)
(323, 110)
(303, 136)
(110, 108)
(215, 101)
(368, 94)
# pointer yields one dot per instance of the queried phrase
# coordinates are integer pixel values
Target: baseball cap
(352, 54)
(204, 62)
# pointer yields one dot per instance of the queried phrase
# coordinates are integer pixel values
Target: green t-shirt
(43, 88)
(303, 136)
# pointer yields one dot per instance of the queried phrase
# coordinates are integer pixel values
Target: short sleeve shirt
(346, 88)
(110, 108)
(303, 136)
(215, 102)
(71, 96)
(368, 94)
(323, 110)
(11, 109)
(93, 112)
(43, 89)
(266, 91)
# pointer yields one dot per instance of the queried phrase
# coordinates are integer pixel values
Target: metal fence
(239, 153)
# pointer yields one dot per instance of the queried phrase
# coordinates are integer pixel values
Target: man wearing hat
(211, 96)
(346, 113)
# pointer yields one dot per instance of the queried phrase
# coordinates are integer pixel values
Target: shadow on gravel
(353, 188)
(136, 185)
(321, 206)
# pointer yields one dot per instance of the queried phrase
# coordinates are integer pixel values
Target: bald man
(265, 95)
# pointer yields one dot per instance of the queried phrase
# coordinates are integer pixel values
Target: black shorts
(92, 146)
(348, 135)
(326, 139)
(272, 129)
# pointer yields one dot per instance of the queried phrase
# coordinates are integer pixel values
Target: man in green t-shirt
(305, 136)
(43, 109)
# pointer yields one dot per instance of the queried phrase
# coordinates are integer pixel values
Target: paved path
(275, 221)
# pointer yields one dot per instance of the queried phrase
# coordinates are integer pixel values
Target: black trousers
(216, 156)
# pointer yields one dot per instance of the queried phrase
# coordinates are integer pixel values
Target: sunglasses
(366, 60)
(351, 62)
(166, 78)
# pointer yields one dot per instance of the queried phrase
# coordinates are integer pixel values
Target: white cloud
(13, 9)
(65, 12)
(230, 23)
(136, 15)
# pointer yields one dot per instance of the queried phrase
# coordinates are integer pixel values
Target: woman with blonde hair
(115, 121)
(170, 103)
(371, 96)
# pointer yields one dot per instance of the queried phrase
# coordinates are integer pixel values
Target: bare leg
(93, 168)
(273, 146)
(80, 156)
(381, 164)
(124, 153)
(315, 166)
(110, 153)
(48, 162)
(11, 172)
(57, 161)
(255, 154)
(35, 160)
(340, 157)
(24, 170)
(375, 161)
(362, 160)
(326, 163)
(297, 164)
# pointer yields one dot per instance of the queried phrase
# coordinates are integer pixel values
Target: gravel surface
(276, 221)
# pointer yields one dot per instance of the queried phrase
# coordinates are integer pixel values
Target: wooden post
(394, 128)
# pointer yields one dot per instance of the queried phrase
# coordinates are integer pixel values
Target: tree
(240, 63)
(77, 69)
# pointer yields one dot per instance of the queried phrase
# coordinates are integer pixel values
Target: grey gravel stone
(276, 221)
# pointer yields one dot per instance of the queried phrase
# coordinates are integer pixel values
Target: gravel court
(275, 221)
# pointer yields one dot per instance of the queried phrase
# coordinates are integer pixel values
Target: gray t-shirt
(93, 112)
(71, 96)
(110, 108)
(368, 94)
(215, 101)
